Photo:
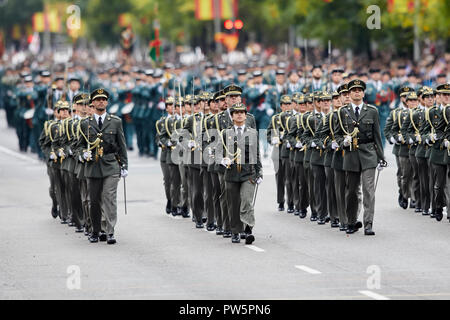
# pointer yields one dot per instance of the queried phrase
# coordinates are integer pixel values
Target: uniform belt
(364, 141)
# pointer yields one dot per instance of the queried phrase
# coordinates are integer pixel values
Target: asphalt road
(160, 257)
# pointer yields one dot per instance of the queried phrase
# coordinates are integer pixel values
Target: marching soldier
(106, 161)
(358, 134)
(435, 136)
(389, 135)
(243, 172)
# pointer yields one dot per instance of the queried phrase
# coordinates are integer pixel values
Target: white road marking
(373, 295)
(308, 269)
(18, 155)
(254, 248)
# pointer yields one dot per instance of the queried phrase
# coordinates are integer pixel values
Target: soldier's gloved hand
(417, 138)
(410, 141)
(52, 156)
(191, 144)
(347, 141)
(169, 144)
(49, 111)
(334, 145)
(87, 155)
(446, 143)
(269, 112)
(298, 145)
(313, 144)
(80, 159)
(399, 139)
(275, 140)
(61, 154)
(259, 180)
(392, 139)
(70, 152)
(226, 162)
(288, 145)
(123, 173)
(433, 136)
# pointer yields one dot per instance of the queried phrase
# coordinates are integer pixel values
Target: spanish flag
(206, 9)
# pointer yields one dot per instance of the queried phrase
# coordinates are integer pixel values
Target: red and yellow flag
(205, 9)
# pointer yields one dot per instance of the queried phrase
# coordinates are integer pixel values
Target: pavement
(161, 257)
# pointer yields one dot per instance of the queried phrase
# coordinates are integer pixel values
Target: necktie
(357, 112)
(100, 123)
(239, 133)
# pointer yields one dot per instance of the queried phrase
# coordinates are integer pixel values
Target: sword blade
(254, 195)
(125, 194)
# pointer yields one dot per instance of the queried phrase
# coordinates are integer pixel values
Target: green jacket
(398, 131)
(436, 122)
(109, 151)
(368, 149)
(248, 166)
(388, 133)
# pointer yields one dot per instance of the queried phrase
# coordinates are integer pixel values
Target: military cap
(281, 65)
(337, 70)
(285, 99)
(427, 91)
(257, 73)
(356, 84)
(317, 66)
(342, 88)
(168, 65)
(135, 69)
(221, 67)
(187, 99)
(412, 96)
(280, 72)
(179, 101)
(81, 98)
(209, 65)
(300, 99)
(443, 88)
(157, 73)
(45, 74)
(28, 79)
(170, 100)
(402, 66)
(441, 75)
(220, 95)
(374, 70)
(238, 107)
(309, 97)
(325, 95)
(61, 104)
(24, 74)
(404, 91)
(420, 91)
(317, 95)
(149, 72)
(73, 78)
(99, 93)
(242, 72)
(59, 78)
(232, 89)
(335, 94)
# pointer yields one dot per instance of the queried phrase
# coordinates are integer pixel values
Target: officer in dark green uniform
(358, 134)
(243, 172)
(106, 161)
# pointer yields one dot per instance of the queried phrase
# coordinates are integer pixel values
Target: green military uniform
(358, 134)
(437, 119)
(243, 172)
(104, 166)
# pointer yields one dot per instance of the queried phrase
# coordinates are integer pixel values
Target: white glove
(70, 152)
(123, 173)
(269, 112)
(61, 154)
(399, 138)
(334, 145)
(52, 156)
(288, 145)
(263, 88)
(169, 143)
(226, 162)
(80, 159)
(259, 180)
(298, 145)
(417, 138)
(379, 167)
(313, 144)
(49, 111)
(87, 155)
(347, 141)
(446, 143)
(191, 143)
(392, 140)
(275, 140)
(410, 141)
(433, 136)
